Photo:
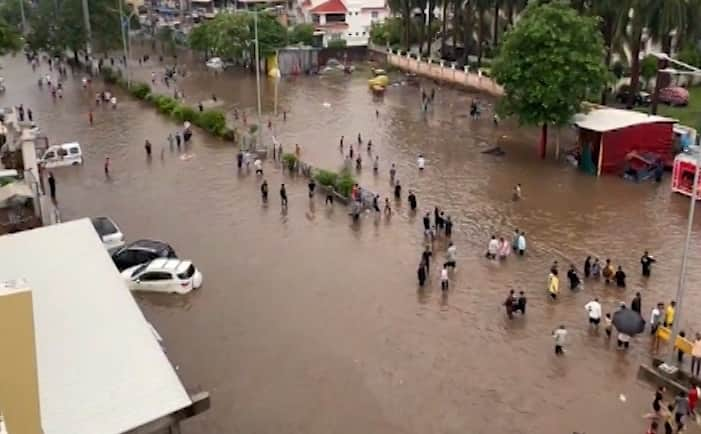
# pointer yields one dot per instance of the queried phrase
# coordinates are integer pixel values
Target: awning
(609, 119)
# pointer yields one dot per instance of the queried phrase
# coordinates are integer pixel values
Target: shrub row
(213, 121)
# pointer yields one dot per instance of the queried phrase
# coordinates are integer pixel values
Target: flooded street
(307, 323)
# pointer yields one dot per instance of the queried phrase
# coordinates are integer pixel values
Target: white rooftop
(100, 367)
(609, 119)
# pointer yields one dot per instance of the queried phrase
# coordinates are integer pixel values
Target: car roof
(148, 245)
(168, 264)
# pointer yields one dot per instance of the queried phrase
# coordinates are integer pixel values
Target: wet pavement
(308, 323)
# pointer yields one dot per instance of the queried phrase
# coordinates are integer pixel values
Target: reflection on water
(310, 323)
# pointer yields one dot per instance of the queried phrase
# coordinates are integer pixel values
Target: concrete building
(349, 20)
(74, 334)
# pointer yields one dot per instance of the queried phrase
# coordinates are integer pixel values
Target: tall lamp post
(681, 287)
(88, 31)
(255, 32)
(24, 18)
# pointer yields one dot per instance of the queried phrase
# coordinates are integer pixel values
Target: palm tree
(429, 32)
(495, 32)
(404, 8)
(634, 24)
(468, 13)
(482, 6)
(609, 14)
(444, 26)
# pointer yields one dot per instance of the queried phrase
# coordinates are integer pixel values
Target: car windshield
(187, 273)
(138, 270)
(103, 225)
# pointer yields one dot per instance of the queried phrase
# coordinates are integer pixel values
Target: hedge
(345, 183)
(212, 121)
(140, 90)
(290, 160)
(326, 177)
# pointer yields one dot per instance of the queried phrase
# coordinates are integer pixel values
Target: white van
(67, 154)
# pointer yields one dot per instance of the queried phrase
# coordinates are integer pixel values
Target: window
(187, 273)
(73, 151)
(138, 270)
(357, 34)
(363, 33)
(350, 34)
(153, 276)
(62, 152)
(374, 14)
(49, 155)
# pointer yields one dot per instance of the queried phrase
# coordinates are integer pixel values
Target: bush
(344, 183)
(326, 177)
(337, 43)
(228, 134)
(109, 75)
(184, 113)
(165, 104)
(140, 90)
(211, 120)
(290, 160)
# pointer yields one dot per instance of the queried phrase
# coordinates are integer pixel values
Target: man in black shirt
(646, 263)
(620, 278)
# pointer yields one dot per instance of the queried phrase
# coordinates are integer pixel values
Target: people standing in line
(669, 314)
(52, 186)
(620, 277)
(636, 304)
(397, 190)
(412, 200)
(593, 309)
(376, 164)
(448, 227)
(147, 146)
(312, 187)
(522, 244)
(573, 277)
(392, 172)
(421, 162)
(421, 274)
(696, 356)
(264, 191)
(608, 272)
(445, 282)
(451, 254)
(596, 269)
(553, 284)
(283, 196)
(560, 337)
(587, 267)
(509, 304)
(646, 262)
(492, 248)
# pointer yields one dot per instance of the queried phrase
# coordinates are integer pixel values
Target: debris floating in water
(622, 397)
(326, 104)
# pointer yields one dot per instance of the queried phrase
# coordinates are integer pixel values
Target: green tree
(548, 64)
(271, 34)
(11, 13)
(166, 36)
(648, 68)
(302, 34)
(10, 40)
(337, 43)
(201, 39)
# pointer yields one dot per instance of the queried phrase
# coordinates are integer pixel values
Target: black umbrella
(628, 322)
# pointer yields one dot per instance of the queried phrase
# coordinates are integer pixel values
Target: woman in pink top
(504, 248)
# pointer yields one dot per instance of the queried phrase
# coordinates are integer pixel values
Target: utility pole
(124, 23)
(88, 31)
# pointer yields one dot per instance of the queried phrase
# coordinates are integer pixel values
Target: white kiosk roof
(609, 119)
(100, 367)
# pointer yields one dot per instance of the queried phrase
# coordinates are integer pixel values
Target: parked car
(164, 275)
(641, 98)
(675, 96)
(109, 233)
(67, 154)
(140, 252)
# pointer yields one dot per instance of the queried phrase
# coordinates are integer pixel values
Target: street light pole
(124, 27)
(24, 18)
(88, 32)
(255, 31)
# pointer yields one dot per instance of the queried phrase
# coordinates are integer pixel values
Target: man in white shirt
(594, 309)
(444, 278)
(492, 248)
(656, 318)
(451, 254)
(421, 162)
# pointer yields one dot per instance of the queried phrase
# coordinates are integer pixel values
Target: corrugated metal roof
(100, 367)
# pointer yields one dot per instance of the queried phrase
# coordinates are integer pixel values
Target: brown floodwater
(308, 323)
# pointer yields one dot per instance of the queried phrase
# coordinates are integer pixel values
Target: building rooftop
(609, 119)
(330, 7)
(100, 367)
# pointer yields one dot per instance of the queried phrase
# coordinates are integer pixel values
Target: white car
(169, 275)
(109, 233)
(215, 63)
(67, 154)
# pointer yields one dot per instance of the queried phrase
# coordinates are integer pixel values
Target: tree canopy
(10, 39)
(302, 34)
(56, 30)
(231, 36)
(549, 63)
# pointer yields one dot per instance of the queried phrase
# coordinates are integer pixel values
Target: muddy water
(310, 324)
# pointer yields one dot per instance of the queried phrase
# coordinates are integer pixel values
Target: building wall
(359, 21)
